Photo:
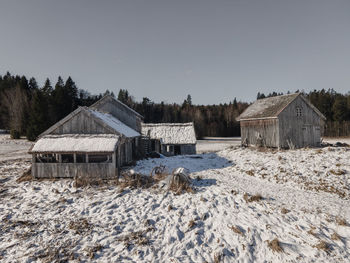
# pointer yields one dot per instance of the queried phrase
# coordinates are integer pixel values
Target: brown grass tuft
(236, 229)
(252, 198)
(284, 211)
(335, 236)
(338, 172)
(93, 250)
(191, 224)
(341, 221)
(274, 245)
(323, 245)
(80, 226)
(26, 176)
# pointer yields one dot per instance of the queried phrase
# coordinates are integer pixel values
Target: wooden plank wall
(70, 170)
(302, 131)
(268, 130)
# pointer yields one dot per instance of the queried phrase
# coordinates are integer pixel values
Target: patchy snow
(13, 149)
(215, 144)
(170, 133)
(76, 143)
(303, 193)
(115, 124)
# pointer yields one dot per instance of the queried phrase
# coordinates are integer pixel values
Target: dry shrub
(236, 229)
(274, 245)
(323, 245)
(159, 173)
(136, 181)
(85, 181)
(335, 236)
(341, 221)
(252, 198)
(26, 176)
(284, 211)
(180, 183)
(338, 172)
(170, 207)
(80, 226)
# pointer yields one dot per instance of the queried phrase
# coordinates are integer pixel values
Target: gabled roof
(271, 107)
(109, 98)
(76, 143)
(170, 133)
(114, 123)
(104, 119)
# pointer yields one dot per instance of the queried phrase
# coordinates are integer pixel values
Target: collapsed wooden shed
(169, 138)
(287, 121)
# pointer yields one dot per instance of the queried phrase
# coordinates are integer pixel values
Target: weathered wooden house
(285, 121)
(170, 138)
(89, 141)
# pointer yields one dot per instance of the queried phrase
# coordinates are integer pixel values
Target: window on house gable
(298, 111)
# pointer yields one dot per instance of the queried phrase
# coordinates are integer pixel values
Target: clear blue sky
(213, 50)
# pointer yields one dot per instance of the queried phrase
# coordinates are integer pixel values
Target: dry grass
(180, 184)
(93, 250)
(335, 236)
(341, 221)
(337, 172)
(80, 225)
(284, 211)
(323, 245)
(236, 229)
(135, 238)
(253, 198)
(192, 223)
(217, 257)
(137, 181)
(250, 172)
(275, 245)
(26, 176)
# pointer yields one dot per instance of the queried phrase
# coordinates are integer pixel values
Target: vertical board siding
(301, 131)
(71, 170)
(268, 130)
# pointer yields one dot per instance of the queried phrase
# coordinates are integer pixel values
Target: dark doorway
(177, 149)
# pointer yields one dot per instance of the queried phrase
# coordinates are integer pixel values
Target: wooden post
(86, 158)
(75, 157)
(60, 158)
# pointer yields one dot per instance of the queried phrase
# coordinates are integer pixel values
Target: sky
(213, 50)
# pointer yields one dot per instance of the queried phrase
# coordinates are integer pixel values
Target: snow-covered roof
(170, 133)
(114, 123)
(74, 143)
(268, 107)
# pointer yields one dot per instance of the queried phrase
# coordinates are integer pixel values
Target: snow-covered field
(305, 195)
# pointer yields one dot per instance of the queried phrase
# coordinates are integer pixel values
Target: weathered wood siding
(121, 113)
(267, 129)
(188, 149)
(81, 124)
(70, 170)
(125, 153)
(301, 131)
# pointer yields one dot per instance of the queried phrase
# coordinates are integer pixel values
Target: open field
(249, 205)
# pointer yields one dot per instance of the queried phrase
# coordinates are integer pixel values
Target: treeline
(27, 109)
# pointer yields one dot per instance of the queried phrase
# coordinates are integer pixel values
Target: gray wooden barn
(287, 121)
(89, 141)
(169, 138)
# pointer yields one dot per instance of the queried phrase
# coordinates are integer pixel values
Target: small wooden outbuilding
(88, 141)
(287, 121)
(170, 138)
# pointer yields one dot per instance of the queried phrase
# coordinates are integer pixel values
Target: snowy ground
(304, 193)
(13, 149)
(214, 144)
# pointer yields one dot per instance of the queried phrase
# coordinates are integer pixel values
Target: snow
(37, 216)
(13, 149)
(170, 133)
(76, 143)
(215, 144)
(115, 124)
